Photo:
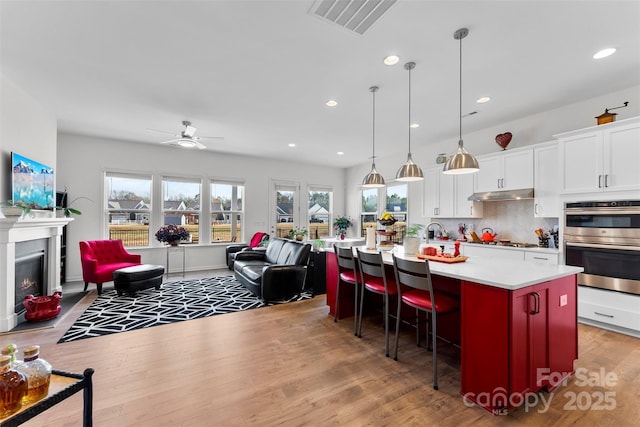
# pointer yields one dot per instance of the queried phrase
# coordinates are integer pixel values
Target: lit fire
(27, 283)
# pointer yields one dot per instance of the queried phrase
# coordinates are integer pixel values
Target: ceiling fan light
(409, 171)
(186, 143)
(373, 179)
(461, 162)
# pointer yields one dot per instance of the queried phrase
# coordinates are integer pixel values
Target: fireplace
(42, 236)
(30, 270)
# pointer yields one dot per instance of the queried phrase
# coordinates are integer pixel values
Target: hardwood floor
(292, 365)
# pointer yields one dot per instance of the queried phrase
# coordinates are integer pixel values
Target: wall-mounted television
(32, 183)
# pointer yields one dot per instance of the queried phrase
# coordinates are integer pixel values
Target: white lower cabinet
(486, 251)
(609, 309)
(542, 257)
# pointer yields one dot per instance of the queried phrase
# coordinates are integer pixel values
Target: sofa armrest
(132, 258)
(235, 248)
(282, 281)
(250, 255)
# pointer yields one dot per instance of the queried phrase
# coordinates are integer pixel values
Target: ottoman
(138, 277)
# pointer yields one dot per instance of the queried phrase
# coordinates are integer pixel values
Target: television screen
(32, 183)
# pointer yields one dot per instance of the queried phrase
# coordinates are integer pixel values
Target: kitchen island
(518, 324)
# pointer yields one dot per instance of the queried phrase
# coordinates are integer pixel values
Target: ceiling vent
(354, 15)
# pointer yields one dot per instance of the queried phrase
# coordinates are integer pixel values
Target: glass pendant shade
(373, 179)
(409, 171)
(461, 161)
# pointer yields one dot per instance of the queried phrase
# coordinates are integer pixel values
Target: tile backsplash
(511, 220)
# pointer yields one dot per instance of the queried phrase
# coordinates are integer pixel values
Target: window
(395, 196)
(320, 212)
(227, 211)
(369, 209)
(396, 204)
(181, 204)
(128, 208)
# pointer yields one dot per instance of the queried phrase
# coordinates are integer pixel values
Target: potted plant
(340, 225)
(298, 233)
(12, 208)
(66, 208)
(318, 244)
(172, 234)
(411, 241)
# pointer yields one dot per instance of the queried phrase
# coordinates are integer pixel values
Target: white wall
(26, 128)
(526, 131)
(82, 161)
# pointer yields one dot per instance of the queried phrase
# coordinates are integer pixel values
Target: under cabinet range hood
(489, 196)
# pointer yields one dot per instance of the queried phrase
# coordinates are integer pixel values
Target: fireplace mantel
(17, 229)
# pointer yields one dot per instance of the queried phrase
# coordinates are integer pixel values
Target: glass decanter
(38, 373)
(13, 386)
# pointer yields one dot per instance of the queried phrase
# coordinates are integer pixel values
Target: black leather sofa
(275, 274)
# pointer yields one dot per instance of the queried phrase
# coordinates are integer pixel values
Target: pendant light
(409, 171)
(462, 161)
(373, 178)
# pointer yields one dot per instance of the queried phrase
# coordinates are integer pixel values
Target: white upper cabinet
(463, 208)
(508, 170)
(445, 196)
(438, 193)
(601, 159)
(546, 175)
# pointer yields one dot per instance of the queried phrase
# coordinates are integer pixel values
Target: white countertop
(532, 248)
(490, 271)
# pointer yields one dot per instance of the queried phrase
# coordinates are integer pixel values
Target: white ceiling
(259, 72)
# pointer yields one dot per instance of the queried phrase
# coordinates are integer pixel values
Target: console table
(63, 385)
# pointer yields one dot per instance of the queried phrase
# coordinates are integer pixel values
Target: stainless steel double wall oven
(604, 239)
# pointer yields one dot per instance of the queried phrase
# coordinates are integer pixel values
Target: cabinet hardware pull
(535, 209)
(599, 181)
(536, 303)
(606, 180)
(605, 315)
(539, 257)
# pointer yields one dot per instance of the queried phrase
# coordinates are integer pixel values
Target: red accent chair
(100, 258)
(415, 290)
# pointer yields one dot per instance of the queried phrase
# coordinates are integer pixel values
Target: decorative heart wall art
(504, 139)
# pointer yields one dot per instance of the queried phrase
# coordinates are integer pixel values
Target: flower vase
(342, 237)
(173, 243)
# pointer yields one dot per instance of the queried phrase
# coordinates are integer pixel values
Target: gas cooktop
(508, 244)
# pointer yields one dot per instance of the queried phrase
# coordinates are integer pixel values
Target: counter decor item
(504, 139)
(411, 241)
(340, 225)
(42, 308)
(488, 235)
(172, 234)
(371, 238)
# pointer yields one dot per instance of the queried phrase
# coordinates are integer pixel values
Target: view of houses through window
(130, 209)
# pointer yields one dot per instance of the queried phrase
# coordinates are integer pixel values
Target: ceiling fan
(187, 138)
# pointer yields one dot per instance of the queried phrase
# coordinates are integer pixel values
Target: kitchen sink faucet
(444, 232)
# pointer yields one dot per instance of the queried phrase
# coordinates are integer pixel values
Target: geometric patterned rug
(174, 302)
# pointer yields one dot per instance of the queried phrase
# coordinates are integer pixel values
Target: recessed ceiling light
(340, 153)
(414, 125)
(391, 60)
(331, 103)
(292, 145)
(604, 53)
(483, 99)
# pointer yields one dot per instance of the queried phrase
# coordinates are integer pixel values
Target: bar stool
(346, 274)
(420, 295)
(374, 279)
